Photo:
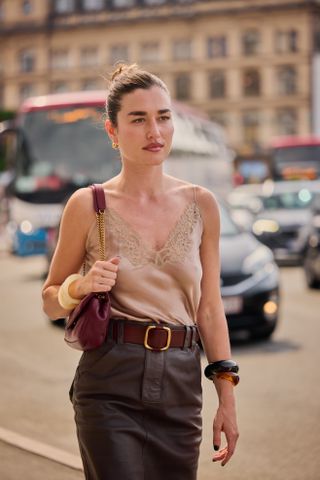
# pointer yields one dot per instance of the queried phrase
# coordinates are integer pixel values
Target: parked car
(311, 263)
(281, 212)
(249, 280)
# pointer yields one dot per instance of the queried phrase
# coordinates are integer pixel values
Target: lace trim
(177, 246)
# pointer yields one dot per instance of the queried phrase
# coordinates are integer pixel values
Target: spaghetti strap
(194, 188)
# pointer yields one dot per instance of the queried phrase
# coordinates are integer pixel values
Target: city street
(278, 396)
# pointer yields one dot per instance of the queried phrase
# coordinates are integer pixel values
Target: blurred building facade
(248, 63)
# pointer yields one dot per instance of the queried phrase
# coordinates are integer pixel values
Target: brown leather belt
(153, 336)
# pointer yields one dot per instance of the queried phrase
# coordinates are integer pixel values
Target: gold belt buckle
(146, 337)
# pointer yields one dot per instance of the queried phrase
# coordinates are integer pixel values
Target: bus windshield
(296, 162)
(55, 150)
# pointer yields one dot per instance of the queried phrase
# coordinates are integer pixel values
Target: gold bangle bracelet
(64, 298)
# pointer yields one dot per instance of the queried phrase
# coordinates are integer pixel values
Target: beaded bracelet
(64, 298)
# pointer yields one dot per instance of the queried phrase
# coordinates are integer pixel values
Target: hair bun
(121, 69)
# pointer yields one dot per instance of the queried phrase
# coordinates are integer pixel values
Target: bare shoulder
(80, 206)
(208, 207)
(207, 203)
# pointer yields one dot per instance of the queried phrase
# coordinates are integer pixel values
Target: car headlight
(257, 260)
(265, 226)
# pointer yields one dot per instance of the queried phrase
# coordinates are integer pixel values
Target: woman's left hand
(225, 421)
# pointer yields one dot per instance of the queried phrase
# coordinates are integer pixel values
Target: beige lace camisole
(161, 285)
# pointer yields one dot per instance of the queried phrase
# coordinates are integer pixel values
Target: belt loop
(194, 336)
(187, 337)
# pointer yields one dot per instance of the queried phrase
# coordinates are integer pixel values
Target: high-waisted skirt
(138, 412)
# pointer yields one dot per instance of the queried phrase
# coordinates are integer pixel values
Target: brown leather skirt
(138, 412)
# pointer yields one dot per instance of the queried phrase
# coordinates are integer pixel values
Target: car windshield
(58, 143)
(289, 200)
(227, 226)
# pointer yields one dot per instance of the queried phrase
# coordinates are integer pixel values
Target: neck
(141, 182)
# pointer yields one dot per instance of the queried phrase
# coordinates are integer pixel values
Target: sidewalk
(17, 464)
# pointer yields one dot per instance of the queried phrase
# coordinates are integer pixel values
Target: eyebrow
(139, 113)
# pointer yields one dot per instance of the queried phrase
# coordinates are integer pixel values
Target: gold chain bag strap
(87, 324)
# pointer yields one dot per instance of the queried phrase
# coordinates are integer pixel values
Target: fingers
(103, 274)
(216, 436)
(217, 457)
(231, 441)
(231, 433)
(115, 260)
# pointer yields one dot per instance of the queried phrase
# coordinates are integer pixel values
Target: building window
(286, 41)
(250, 128)
(59, 59)
(27, 61)
(123, 3)
(89, 57)
(92, 4)
(251, 42)
(217, 47)
(59, 87)
(119, 53)
(183, 86)
(219, 117)
(26, 90)
(287, 80)
(251, 83)
(64, 6)
(182, 50)
(286, 122)
(217, 84)
(90, 84)
(26, 7)
(150, 52)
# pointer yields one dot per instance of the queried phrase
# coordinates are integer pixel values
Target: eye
(164, 118)
(138, 120)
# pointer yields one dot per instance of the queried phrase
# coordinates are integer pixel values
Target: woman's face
(145, 129)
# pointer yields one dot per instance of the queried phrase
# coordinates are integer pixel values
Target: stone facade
(247, 63)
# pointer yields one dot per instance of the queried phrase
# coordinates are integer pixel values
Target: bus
(295, 158)
(59, 144)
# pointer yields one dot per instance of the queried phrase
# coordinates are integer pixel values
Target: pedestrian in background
(137, 398)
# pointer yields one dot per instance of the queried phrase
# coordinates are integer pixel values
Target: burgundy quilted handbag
(87, 325)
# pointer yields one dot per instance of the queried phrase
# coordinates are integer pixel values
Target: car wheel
(263, 333)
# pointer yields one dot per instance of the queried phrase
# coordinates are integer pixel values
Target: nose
(153, 129)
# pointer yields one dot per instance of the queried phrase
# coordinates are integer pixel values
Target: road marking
(41, 449)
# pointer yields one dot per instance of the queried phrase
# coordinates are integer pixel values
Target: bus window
(296, 159)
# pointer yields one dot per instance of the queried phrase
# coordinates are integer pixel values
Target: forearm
(51, 305)
(214, 335)
(213, 330)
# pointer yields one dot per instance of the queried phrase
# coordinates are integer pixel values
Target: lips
(154, 147)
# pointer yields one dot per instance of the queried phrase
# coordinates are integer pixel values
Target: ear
(111, 131)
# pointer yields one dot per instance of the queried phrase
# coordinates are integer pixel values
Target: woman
(137, 398)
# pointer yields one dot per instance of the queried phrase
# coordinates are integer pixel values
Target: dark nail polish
(216, 447)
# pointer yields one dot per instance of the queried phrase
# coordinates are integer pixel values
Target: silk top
(161, 285)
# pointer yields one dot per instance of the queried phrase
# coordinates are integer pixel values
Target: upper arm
(69, 254)
(209, 249)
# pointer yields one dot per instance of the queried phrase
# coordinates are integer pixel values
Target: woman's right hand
(100, 278)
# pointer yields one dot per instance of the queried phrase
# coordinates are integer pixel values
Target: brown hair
(126, 79)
